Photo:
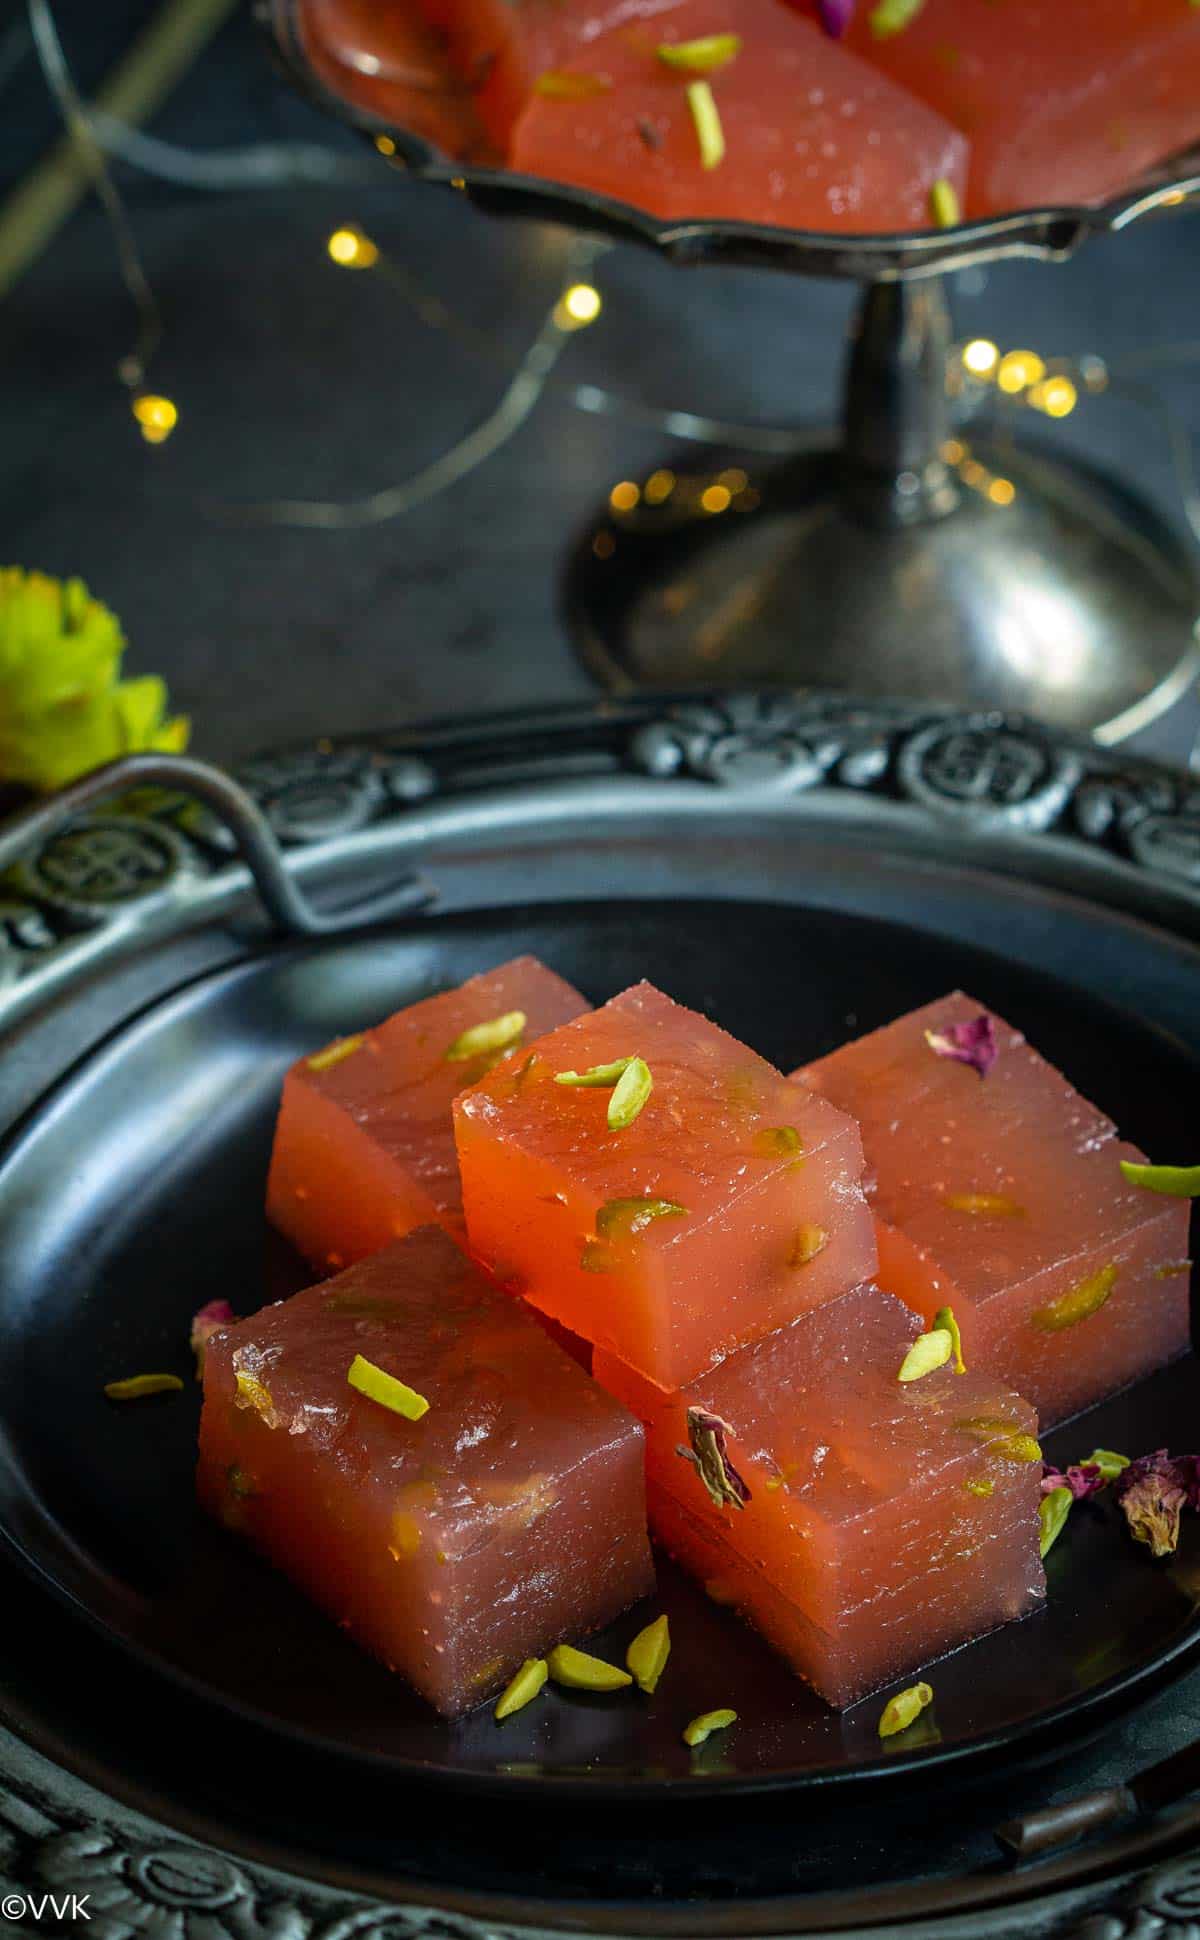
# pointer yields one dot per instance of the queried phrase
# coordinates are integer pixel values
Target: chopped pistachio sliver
(1002, 1437)
(580, 1672)
(562, 85)
(702, 56)
(139, 1384)
(928, 1352)
(596, 1257)
(943, 204)
(252, 1393)
(706, 120)
(944, 1318)
(384, 1388)
(343, 1047)
(1171, 1269)
(703, 1727)
(523, 1688)
(984, 1204)
(1078, 1303)
(647, 1654)
(1177, 1181)
(893, 16)
(496, 1034)
(621, 1218)
(904, 1709)
(806, 1244)
(1109, 1463)
(630, 1093)
(600, 1075)
(1053, 1510)
(777, 1141)
(979, 1485)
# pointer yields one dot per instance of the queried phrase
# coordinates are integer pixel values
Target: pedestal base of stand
(1049, 589)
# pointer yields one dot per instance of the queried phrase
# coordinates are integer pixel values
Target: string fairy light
(133, 366)
(578, 306)
(352, 248)
(156, 417)
(515, 405)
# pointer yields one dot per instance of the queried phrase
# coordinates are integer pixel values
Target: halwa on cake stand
(894, 558)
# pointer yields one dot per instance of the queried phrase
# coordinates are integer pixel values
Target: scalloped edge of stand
(1051, 234)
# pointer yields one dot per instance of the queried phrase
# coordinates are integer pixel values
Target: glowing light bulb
(385, 144)
(624, 496)
(716, 498)
(980, 357)
(577, 307)
(583, 302)
(156, 417)
(1002, 491)
(1018, 369)
(954, 451)
(1057, 397)
(351, 249)
(734, 479)
(659, 487)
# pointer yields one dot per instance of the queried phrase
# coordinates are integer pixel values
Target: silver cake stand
(881, 562)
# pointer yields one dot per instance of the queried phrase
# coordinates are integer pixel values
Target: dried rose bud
(1082, 1478)
(207, 1322)
(836, 16)
(709, 1457)
(1153, 1492)
(973, 1043)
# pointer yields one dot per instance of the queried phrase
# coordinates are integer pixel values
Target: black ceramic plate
(801, 871)
(134, 1194)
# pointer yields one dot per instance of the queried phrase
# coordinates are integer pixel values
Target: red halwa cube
(1063, 100)
(509, 1517)
(814, 138)
(519, 52)
(1003, 1197)
(385, 57)
(364, 1145)
(729, 1205)
(864, 1524)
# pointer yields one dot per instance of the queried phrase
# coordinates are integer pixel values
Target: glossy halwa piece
(509, 1517)
(386, 58)
(364, 1144)
(1063, 100)
(1003, 1197)
(814, 138)
(754, 1163)
(506, 49)
(886, 1522)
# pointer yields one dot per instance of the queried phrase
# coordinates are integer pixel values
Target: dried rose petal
(973, 1043)
(1153, 1492)
(205, 1323)
(709, 1457)
(1082, 1478)
(836, 16)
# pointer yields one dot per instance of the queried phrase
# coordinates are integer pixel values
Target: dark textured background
(294, 377)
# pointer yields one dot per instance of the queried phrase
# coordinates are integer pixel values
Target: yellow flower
(63, 707)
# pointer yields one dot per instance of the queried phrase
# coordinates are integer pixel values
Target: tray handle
(281, 896)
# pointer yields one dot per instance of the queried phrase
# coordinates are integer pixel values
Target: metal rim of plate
(1052, 233)
(100, 885)
(86, 885)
